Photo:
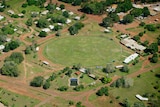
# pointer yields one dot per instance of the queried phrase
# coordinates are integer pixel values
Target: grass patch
(141, 86)
(16, 99)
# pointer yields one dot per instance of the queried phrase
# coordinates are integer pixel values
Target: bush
(42, 34)
(103, 91)
(46, 85)
(63, 88)
(37, 81)
(150, 27)
(142, 24)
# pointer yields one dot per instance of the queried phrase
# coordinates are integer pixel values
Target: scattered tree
(37, 81)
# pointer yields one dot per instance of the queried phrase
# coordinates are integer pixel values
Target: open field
(142, 85)
(91, 47)
(13, 99)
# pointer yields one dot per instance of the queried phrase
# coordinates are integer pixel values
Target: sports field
(86, 50)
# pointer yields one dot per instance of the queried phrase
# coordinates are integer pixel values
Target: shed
(78, 73)
(77, 18)
(1, 17)
(51, 27)
(70, 13)
(46, 30)
(57, 8)
(92, 76)
(45, 12)
(73, 82)
(2, 47)
(141, 98)
(119, 66)
(37, 48)
(130, 58)
(83, 70)
(11, 12)
(107, 31)
(45, 62)
(68, 21)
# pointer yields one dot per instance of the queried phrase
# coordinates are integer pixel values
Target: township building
(132, 44)
(130, 58)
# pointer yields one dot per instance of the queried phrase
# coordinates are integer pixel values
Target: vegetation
(16, 57)
(103, 91)
(74, 29)
(37, 81)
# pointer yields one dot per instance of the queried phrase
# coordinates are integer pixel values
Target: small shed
(141, 98)
(77, 18)
(83, 70)
(78, 73)
(46, 30)
(119, 66)
(68, 21)
(1, 17)
(70, 13)
(57, 8)
(2, 47)
(37, 48)
(92, 76)
(45, 62)
(51, 27)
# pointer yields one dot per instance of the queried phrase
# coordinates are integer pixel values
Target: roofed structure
(130, 58)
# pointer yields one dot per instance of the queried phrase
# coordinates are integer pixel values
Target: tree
(150, 27)
(79, 88)
(152, 48)
(126, 103)
(136, 12)
(46, 85)
(65, 14)
(103, 91)
(69, 73)
(37, 81)
(73, 30)
(77, 2)
(146, 11)
(154, 58)
(142, 24)
(17, 57)
(107, 22)
(125, 69)
(42, 34)
(128, 19)
(63, 88)
(109, 68)
(62, 6)
(13, 45)
(106, 80)
(138, 104)
(42, 23)
(29, 22)
(27, 50)
(10, 69)
(124, 6)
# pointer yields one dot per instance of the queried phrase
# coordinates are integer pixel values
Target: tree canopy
(37, 81)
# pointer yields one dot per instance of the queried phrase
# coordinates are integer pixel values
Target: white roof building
(123, 36)
(45, 62)
(11, 11)
(83, 70)
(57, 8)
(157, 9)
(119, 66)
(130, 58)
(20, 14)
(63, 10)
(141, 98)
(46, 30)
(130, 43)
(107, 31)
(51, 27)
(68, 21)
(37, 48)
(8, 39)
(77, 18)
(2, 47)
(70, 13)
(45, 12)
(1, 17)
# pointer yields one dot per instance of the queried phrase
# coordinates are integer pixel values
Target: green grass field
(86, 50)
(16, 100)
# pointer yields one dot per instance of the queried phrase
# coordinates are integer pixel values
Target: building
(1, 17)
(68, 21)
(130, 58)
(2, 47)
(45, 62)
(77, 18)
(78, 73)
(46, 30)
(11, 12)
(73, 82)
(45, 12)
(107, 31)
(57, 8)
(51, 27)
(141, 98)
(132, 44)
(92, 76)
(83, 70)
(119, 66)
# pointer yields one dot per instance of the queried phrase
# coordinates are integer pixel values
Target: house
(107, 31)
(119, 66)
(77, 18)
(51, 27)
(46, 30)
(37, 48)
(45, 12)
(11, 12)
(78, 73)
(73, 82)
(130, 58)
(2, 47)
(1, 17)
(83, 70)
(123, 36)
(45, 62)
(57, 8)
(68, 21)
(141, 98)
(132, 44)
(92, 76)
(70, 13)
